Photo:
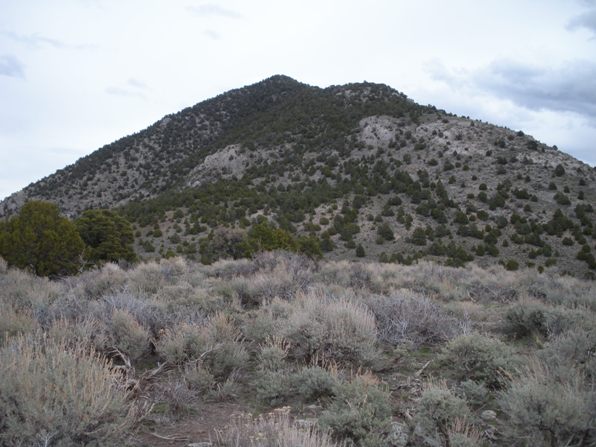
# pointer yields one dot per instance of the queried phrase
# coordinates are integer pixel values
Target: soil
(194, 428)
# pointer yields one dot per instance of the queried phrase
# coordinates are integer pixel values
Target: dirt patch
(194, 428)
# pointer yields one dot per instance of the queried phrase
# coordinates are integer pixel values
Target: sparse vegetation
(343, 347)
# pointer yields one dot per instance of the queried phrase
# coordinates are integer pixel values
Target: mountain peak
(278, 82)
(281, 79)
(349, 165)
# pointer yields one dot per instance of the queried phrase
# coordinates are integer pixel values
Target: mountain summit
(360, 167)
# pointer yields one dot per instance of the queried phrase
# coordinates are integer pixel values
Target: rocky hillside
(361, 167)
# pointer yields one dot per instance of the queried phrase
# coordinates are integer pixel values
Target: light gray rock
(488, 415)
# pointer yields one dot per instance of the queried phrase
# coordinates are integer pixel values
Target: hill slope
(358, 164)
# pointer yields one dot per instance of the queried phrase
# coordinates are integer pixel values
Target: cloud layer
(10, 66)
(37, 40)
(570, 87)
(586, 20)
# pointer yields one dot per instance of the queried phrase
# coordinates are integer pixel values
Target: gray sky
(78, 74)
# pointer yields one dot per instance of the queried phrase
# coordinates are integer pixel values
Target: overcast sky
(78, 74)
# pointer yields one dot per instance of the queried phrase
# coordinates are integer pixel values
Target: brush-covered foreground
(281, 351)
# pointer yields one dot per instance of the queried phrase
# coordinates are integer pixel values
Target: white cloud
(131, 88)
(37, 40)
(211, 10)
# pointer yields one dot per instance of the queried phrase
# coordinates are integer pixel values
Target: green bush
(313, 382)
(480, 358)
(360, 253)
(511, 265)
(385, 232)
(265, 237)
(360, 411)
(222, 243)
(562, 199)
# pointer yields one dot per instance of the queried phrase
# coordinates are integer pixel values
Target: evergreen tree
(265, 237)
(360, 251)
(42, 240)
(310, 246)
(109, 237)
(385, 231)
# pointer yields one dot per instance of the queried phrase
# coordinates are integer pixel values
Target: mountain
(360, 166)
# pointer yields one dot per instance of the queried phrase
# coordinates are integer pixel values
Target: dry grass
(275, 429)
(14, 323)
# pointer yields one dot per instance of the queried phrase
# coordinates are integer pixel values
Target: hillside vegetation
(360, 169)
(281, 350)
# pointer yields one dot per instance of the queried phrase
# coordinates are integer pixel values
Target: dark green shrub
(360, 251)
(511, 265)
(562, 199)
(418, 236)
(265, 237)
(385, 231)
